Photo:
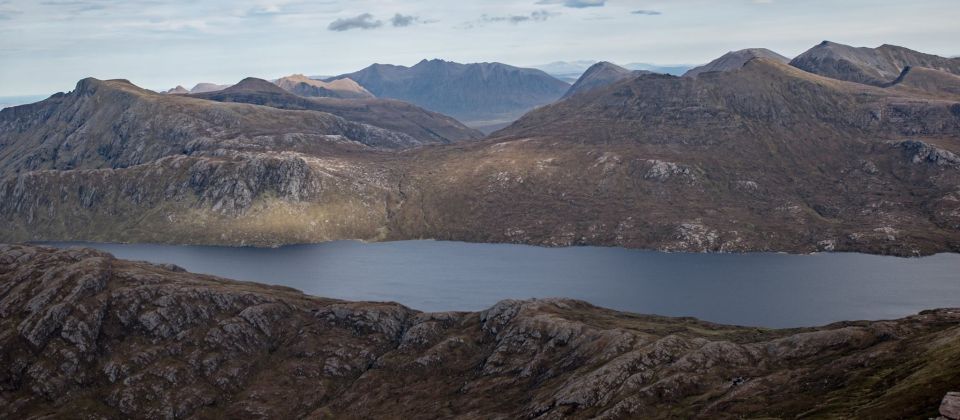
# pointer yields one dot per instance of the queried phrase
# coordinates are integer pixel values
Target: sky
(47, 45)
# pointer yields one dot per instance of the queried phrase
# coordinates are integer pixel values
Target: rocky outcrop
(950, 406)
(920, 152)
(85, 335)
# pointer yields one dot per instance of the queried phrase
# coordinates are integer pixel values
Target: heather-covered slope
(873, 66)
(85, 335)
(477, 93)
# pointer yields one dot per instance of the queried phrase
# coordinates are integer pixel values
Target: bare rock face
(950, 407)
(85, 335)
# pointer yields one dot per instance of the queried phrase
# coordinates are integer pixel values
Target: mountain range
(764, 157)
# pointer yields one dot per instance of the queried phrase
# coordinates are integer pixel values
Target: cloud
(399, 20)
(535, 16)
(646, 12)
(577, 4)
(363, 21)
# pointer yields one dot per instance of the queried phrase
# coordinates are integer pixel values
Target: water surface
(762, 289)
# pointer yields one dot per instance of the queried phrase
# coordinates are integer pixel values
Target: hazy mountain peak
(179, 90)
(339, 88)
(599, 75)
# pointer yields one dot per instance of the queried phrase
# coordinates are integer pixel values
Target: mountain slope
(767, 157)
(86, 335)
(425, 126)
(600, 75)
(477, 94)
(304, 86)
(112, 124)
(873, 66)
(734, 60)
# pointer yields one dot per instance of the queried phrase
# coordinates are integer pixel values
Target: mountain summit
(736, 59)
(601, 74)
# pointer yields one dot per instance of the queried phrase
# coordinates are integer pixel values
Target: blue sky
(47, 45)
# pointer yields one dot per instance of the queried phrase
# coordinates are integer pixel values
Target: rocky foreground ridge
(83, 334)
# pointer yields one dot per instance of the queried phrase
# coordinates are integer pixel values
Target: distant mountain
(734, 60)
(675, 70)
(207, 87)
(425, 126)
(600, 75)
(572, 70)
(477, 94)
(568, 71)
(305, 86)
(9, 101)
(873, 66)
(179, 90)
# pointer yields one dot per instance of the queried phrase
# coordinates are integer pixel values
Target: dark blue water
(772, 290)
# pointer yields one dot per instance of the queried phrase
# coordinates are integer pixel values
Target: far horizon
(48, 46)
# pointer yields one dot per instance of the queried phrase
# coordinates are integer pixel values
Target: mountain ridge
(85, 334)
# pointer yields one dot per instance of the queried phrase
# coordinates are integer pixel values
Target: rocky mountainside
(425, 126)
(478, 94)
(734, 60)
(600, 75)
(304, 86)
(873, 66)
(85, 335)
